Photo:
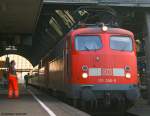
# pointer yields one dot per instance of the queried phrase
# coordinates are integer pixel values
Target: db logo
(107, 72)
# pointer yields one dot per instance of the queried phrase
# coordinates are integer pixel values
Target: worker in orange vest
(12, 81)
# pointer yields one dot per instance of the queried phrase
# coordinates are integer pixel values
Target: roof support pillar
(147, 50)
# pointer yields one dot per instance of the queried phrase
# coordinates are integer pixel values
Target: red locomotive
(93, 63)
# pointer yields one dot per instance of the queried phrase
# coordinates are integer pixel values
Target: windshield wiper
(86, 48)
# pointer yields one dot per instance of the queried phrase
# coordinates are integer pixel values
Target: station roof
(18, 20)
(34, 27)
(130, 3)
(18, 16)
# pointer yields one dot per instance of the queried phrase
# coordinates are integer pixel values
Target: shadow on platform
(141, 108)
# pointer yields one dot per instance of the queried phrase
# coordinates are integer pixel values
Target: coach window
(87, 43)
(121, 43)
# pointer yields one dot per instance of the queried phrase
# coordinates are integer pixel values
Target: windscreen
(87, 43)
(121, 43)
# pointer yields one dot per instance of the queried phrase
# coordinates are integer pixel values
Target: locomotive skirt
(13, 86)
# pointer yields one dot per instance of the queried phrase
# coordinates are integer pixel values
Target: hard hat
(138, 41)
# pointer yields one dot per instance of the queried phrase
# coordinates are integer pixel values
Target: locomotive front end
(104, 65)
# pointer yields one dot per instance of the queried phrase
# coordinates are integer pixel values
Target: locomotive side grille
(106, 72)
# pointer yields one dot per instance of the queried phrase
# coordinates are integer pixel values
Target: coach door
(67, 60)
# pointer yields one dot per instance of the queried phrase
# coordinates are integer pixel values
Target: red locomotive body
(105, 65)
(94, 64)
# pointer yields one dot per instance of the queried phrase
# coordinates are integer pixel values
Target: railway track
(112, 114)
(96, 112)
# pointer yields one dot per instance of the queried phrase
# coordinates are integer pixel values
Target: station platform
(34, 103)
(141, 108)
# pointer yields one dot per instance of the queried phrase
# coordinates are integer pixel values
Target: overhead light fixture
(11, 48)
(104, 28)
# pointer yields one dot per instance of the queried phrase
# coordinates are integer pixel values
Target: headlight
(84, 75)
(128, 75)
(104, 28)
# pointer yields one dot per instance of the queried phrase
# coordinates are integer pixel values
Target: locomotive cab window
(121, 43)
(87, 43)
